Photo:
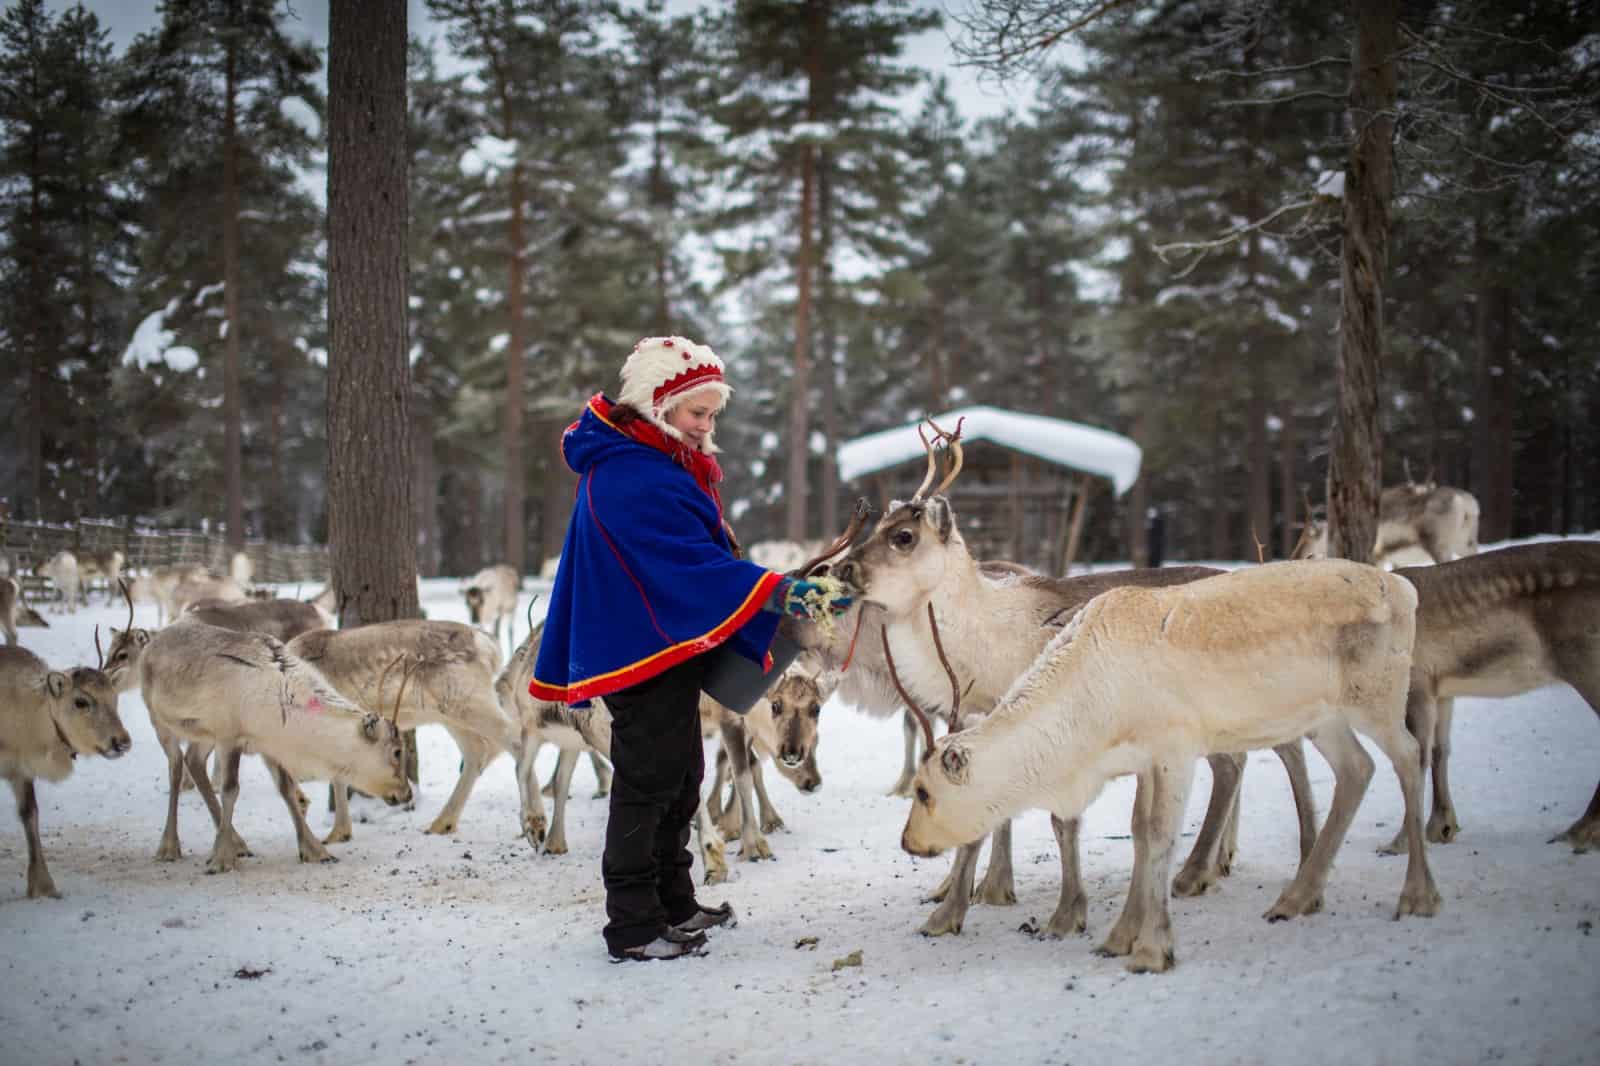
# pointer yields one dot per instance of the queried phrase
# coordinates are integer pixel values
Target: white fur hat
(662, 371)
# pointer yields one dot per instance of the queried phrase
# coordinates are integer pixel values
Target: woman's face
(695, 416)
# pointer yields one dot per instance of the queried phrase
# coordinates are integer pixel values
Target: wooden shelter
(1024, 488)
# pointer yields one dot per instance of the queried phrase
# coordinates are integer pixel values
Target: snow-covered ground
(470, 948)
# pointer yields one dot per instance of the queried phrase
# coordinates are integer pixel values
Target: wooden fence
(26, 546)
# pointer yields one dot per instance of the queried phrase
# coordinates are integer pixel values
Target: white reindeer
(491, 597)
(47, 719)
(62, 570)
(1439, 521)
(159, 585)
(242, 693)
(105, 564)
(1144, 681)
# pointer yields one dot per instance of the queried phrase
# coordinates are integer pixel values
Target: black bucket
(737, 683)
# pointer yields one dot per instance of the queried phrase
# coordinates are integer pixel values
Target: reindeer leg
(771, 822)
(475, 755)
(752, 845)
(1352, 770)
(533, 820)
(195, 759)
(342, 830)
(1153, 950)
(602, 775)
(556, 842)
(713, 801)
(1419, 896)
(908, 768)
(311, 849)
(40, 883)
(225, 852)
(1203, 868)
(170, 851)
(999, 881)
(713, 851)
(1584, 834)
(1072, 911)
(1126, 930)
(954, 894)
(1442, 825)
(1422, 720)
(1293, 757)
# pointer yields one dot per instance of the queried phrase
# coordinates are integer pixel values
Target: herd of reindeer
(1048, 687)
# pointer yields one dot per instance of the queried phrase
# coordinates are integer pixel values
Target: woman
(649, 582)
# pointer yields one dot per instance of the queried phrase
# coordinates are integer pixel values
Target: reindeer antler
(100, 656)
(531, 601)
(949, 671)
(123, 585)
(383, 679)
(405, 676)
(911, 704)
(953, 444)
(858, 518)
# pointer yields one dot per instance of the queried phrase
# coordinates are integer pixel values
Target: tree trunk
(1496, 394)
(794, 482)
(370, 513)
(1288, 491)
(232, 460)
(1138, 501)
(511, 442)
(828, 481)
(1355, 460)
(426, 491)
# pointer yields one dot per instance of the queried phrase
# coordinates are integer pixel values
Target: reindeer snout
(118, 747)
(399, 797)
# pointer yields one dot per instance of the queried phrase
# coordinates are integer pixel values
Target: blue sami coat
(648, 577)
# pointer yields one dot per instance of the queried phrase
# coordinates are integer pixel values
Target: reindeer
(491, 597)
(197, 589)
(1143, 681)
(572, 730)
(62, 570)
(247, 693)
(1500, 624)
(10, 606)
(103, 564)
(47, 719)
(281, 618)
(972, 603)
(1437, 519)
(452, 684)
(158, 586)
(782, 726)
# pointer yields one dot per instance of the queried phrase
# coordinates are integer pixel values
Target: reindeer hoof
(944, 921)
(555, 846)
(317, 854)
(756, 851)
(1423, 903)
(1287, 907)
(1443, 830)
(169, 852)
(1069, 919)
(1151, 959)
(1583, 835)
(1397, 846)
(338, 836)
(772, 825)
(44, 888)
(996, 895)
(1194, 882)
(442, 826)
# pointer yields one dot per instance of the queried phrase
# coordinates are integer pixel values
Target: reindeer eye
(81, 703)
(922, 795)
(902, 538)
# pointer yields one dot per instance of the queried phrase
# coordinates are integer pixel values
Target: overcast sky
(128, 18)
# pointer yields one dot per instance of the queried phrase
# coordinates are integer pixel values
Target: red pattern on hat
(690, 379)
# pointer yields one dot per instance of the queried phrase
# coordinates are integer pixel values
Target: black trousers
(657, 764)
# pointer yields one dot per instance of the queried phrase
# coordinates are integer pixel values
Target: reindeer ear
(943, 519)
(141, 637)
(56, 682)
(369, 727)
(955, 762)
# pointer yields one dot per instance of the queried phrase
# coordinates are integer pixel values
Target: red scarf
(702, 467)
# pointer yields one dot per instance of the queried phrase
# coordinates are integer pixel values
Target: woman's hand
(807, 599)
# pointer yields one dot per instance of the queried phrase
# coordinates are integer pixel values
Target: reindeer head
(127, 648)
(796, 708)
(914, 544)
(474, 597)
(947, 809)
(83, 705)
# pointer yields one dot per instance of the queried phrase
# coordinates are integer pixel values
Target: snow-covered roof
(1072, 444)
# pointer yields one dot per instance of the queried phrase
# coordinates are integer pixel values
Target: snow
(488, 154)
(1330, 183)
(1072, 444)
(470, 948)
(152, 343)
